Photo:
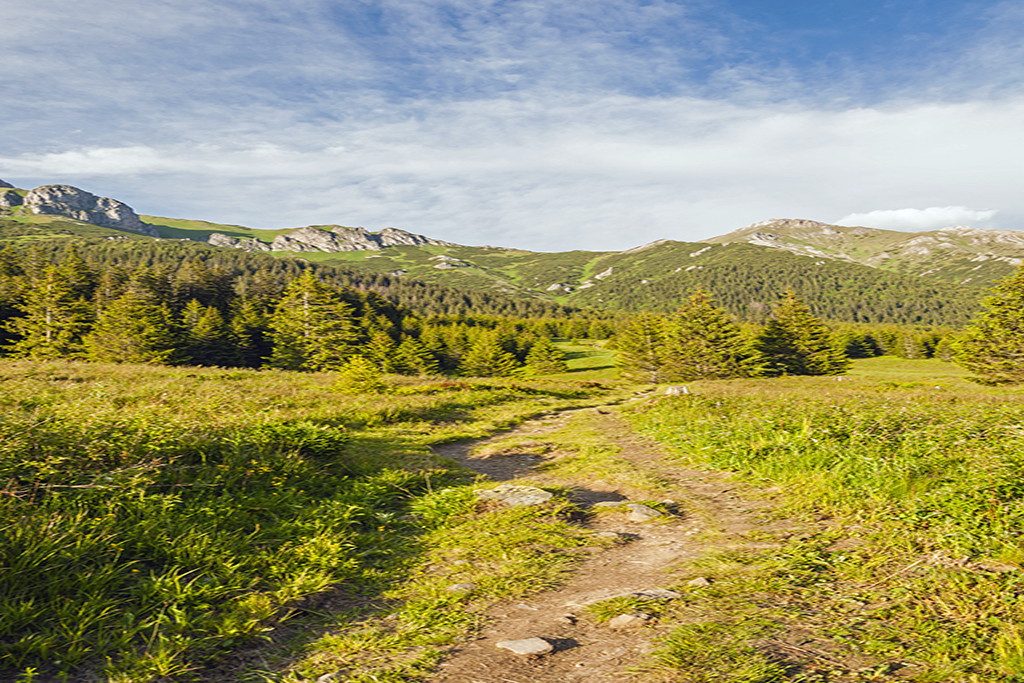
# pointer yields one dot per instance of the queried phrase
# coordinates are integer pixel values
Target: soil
(711, 513)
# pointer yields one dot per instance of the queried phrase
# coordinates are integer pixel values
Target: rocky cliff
(331, 239)
(65, 200)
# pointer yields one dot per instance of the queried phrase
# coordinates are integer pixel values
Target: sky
(547, 125)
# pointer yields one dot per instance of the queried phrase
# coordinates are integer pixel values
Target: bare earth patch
(709, 513)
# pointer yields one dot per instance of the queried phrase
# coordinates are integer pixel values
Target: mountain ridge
(850, 273)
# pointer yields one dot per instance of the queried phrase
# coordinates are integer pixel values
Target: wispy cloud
(932, 218)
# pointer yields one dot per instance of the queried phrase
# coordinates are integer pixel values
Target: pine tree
(703, 342)
(208, 338)
(641, 348)
(311, 327)
(545, 358)
(80, 276)
(414, 358)
(53, 321)
(381, 351)
(359, 375)
(794, 342)
(993, 345)
(249, 329)
(486, 358)
(133, 329)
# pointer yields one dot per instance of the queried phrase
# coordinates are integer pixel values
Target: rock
(566, 620)
(633, 620)
(657, 594)
(4, 183)
(993, 566)
(699, 582)
(393, 237)
(9, 198)
(65, 200)
(334, 239)
(641, 513)
(246, 244)
(609, 504)
(515, 495)
(461, 588)
(447, 262)
(677, 391)
(527, 646)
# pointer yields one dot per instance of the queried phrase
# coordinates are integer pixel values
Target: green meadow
(916, 477)
(157, 519)
(166, 523)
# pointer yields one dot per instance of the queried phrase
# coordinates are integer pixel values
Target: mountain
(956, 254)
(845, 274)
(70, 202)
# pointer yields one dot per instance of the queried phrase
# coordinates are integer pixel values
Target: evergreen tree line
(703, 341)
(250, 274)
(200, 313)
(904, 342)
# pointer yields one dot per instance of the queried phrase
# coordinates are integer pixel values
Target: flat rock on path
(581, 649)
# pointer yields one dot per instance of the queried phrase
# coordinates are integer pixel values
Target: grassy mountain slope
(958, 254)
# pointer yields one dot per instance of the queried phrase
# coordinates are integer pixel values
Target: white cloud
(546, 124)
(912, 220)
(566, 172)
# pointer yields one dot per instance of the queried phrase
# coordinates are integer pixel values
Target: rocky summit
(65, 200)
(331, 239)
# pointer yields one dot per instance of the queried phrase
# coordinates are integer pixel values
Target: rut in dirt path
(711, 516)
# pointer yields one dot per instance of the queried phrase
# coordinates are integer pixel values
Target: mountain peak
(72, 202)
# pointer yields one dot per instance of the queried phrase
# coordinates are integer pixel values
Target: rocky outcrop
(336, 238)
(393, 237)
(4, 183)
(9, 198)
(65, 200)
(245, 243)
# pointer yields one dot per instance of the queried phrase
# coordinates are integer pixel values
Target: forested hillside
(177, 302)
(835, 270)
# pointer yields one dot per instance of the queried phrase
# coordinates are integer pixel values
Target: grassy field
(207, 525)
(917, 477)
(156, 521)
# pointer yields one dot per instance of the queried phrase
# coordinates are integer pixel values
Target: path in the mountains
(713, 517)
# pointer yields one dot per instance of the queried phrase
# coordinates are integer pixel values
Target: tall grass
(930, 477)
(154, 518)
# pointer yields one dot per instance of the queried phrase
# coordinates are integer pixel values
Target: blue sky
(539, 124)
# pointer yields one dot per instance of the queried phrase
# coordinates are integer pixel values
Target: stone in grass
(641, 513)
(527, 646)
(994, 566)
(633, 620)
(609, 504)
(699, 582)
(656, 594)
(335, 677)
(515, 495)
(461, 588)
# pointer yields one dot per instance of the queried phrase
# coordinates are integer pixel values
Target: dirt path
(711, 516)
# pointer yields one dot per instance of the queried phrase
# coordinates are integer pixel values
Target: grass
(156, 520)
(918, 567)
(589, 359)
